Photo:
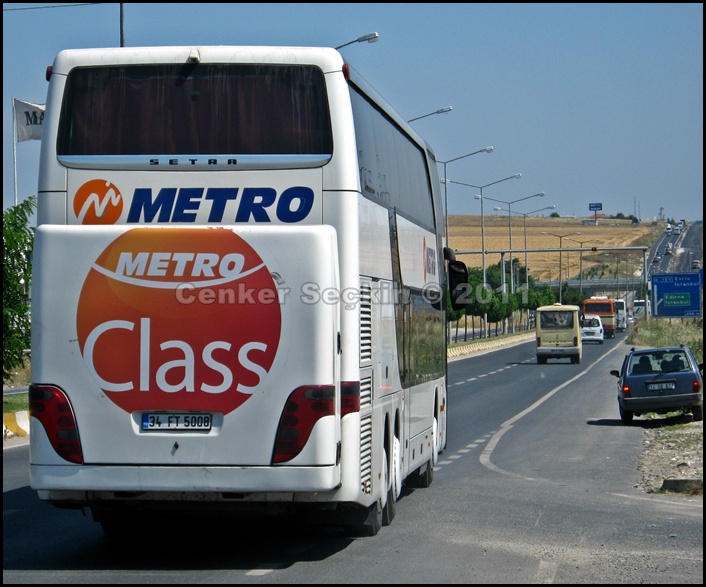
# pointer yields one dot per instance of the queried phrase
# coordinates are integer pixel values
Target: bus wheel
(394, 484)
(435, 442)
(373, 522)
(390, 508)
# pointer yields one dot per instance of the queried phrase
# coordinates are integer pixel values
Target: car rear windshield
(658, 362)
(198, 109)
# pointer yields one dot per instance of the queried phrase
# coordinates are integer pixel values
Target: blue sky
(589, 102)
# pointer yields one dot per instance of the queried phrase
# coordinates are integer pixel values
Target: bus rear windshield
(557, 320)
(596, 307)
(195, 109)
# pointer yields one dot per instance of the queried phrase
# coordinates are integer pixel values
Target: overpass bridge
(618, 285)
(598, 286)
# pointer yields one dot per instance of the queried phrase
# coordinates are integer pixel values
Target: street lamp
(561, 237)
(593, 240)
(482, 228)
(446, 181)
(439, 111)
(509, 225)
(525, 215)
(370, 38)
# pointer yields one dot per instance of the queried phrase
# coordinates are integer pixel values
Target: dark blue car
(660, 380)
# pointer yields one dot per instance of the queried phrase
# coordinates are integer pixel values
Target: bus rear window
(558, 320)
(195, 109)
(595, 307)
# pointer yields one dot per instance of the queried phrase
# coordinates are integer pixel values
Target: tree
(17, 243)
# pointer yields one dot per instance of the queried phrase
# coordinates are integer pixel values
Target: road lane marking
(508, 424)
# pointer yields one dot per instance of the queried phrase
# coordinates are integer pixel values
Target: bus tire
(397, 467)
(390, 508)
(373, 523)
(435, 442)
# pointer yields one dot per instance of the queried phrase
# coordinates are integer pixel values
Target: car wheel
(698, 413)
(625, 415)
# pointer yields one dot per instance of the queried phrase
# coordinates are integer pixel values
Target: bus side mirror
(458, 284)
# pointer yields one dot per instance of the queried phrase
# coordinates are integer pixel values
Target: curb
(476, 347)
(16, 424)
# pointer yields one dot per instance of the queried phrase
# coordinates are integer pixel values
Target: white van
(592, 329)
(558, 333)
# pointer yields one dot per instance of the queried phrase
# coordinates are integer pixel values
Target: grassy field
(465, 234)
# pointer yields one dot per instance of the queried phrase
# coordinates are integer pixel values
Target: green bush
(658, 332)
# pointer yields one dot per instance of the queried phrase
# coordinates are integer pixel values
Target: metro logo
(200, 269)
(98, 202)
(147, 350)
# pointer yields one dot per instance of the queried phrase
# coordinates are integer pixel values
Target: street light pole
(370, 38)
(446, 182)
(439, 111)
(509, 224)
(525, 215)
(482, 229)
(561, 238)
(593, 240)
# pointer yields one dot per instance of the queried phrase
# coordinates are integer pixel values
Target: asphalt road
(537, 485)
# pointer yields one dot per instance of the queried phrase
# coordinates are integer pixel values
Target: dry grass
(465, 234)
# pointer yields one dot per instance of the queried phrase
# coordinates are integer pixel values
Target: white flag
(30, 120)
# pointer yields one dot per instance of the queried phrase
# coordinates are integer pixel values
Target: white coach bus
(236, 289)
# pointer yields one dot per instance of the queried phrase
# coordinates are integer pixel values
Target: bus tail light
(576, 341)
(49, 405)
(304, 407)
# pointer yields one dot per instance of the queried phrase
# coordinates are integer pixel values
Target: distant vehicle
(621, 315)
(668, 229)
(592, 329)
(639, 308)
(657, 258)
(659, 380)
(558, 333)
(696, 264)
(676, 230)
(669, 249)
(602, 306)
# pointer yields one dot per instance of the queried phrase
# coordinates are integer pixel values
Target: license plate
(661, 386)
(154, 422)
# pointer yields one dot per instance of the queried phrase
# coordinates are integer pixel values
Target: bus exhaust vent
(366, 392)
(366, 325)
(366, 454)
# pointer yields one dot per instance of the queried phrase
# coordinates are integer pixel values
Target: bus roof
(558, 306)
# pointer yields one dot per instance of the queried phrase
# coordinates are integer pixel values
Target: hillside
(465, 234)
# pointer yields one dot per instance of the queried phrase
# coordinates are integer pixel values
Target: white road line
(507, 425)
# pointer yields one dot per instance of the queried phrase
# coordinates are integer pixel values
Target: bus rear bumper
(77, 486)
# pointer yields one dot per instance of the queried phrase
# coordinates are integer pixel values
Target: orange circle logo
(179, 319)
(98, 202)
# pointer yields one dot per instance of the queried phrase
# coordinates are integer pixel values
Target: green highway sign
(677, 299)
(676, 295)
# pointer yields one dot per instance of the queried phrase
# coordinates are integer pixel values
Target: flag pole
(14, 145)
